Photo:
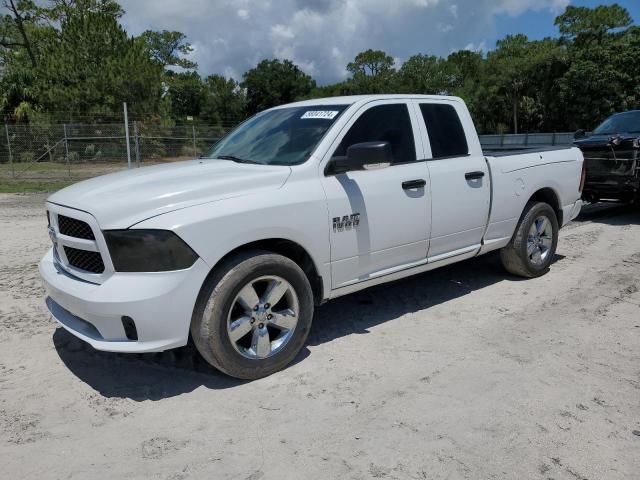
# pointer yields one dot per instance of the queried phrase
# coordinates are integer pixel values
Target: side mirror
(363, 156)
(581, 133)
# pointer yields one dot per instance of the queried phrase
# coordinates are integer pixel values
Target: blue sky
(539, 24)
(322, 36)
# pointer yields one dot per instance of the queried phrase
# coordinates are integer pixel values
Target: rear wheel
(534, 243)
(253, 315)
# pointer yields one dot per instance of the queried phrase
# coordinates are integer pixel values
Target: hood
(603, 140)
(121, 199)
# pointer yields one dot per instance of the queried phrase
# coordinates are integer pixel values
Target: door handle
(411, 184)
(473, 175)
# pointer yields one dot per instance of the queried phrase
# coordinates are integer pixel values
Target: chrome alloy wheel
(539, 240)
(263, 317)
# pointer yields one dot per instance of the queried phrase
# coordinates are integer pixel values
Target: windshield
(628, 122)
(284, 136)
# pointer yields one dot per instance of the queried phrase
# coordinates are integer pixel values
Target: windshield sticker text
(322, 114)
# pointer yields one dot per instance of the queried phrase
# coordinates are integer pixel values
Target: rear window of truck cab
(446, 134)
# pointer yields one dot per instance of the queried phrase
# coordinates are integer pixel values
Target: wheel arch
(287, 248)
(549, 196)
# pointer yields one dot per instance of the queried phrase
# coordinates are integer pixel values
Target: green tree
(508, 67)
(224, 102)
(28, 23)
(465, 71)
(603, 74)
(169, 48)
(274, 82)
(583, 26)
(59, 11)
(95, 66)
(15, 29)
(517, 70)
(372, 72)
(28, 31)
(464, 67)
(185, 94)
(426, 74)
(333, 90)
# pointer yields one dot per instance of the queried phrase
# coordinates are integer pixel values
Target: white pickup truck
(300, 204)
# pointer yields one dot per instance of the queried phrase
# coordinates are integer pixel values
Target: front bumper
(160, 304)
(612, 189)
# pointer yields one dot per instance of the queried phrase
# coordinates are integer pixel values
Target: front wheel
(534, 243)
(253, 315)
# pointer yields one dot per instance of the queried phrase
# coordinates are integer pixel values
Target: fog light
(130, 328)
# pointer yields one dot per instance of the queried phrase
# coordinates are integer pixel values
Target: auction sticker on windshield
(326, 114)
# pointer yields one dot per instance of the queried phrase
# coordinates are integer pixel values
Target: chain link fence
(70, 152)
(77, 151)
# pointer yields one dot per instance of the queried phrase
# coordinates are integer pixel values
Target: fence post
(66, 149)
(13, 171)
(136, 140)
(126, 134)
(195, 149)
(502, 139)
(553, 139)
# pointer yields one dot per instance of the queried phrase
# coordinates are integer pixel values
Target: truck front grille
(84, 260)
(75, 228)
(78, 244)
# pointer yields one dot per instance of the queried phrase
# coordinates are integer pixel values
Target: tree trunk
(23, 33)
(515, 115)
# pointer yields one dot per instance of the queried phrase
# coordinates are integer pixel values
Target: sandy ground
(461, 373)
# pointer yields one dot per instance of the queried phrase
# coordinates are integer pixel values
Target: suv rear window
(389, 123)
(446, 134)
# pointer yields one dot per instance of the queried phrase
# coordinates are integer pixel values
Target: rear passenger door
(460, 180)
(389, 205)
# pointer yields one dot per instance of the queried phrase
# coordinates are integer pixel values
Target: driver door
(379, 217)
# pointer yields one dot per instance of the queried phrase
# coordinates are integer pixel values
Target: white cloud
(322, 36)
(282, 32)
(480, 47)
(517, 7)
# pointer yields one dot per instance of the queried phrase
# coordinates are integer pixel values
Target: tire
(222, 315)
(524, 255)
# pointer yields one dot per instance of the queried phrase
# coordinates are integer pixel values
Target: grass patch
(17, 186)
(39, 167)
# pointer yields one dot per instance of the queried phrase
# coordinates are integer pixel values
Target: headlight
(148, 251)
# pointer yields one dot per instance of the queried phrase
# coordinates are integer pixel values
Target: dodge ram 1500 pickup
(299, 204)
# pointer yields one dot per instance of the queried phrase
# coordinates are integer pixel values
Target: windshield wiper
(233, 158)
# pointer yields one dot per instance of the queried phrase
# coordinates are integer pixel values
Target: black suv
(612, 158)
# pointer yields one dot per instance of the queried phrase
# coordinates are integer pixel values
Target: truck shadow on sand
(156, 376)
